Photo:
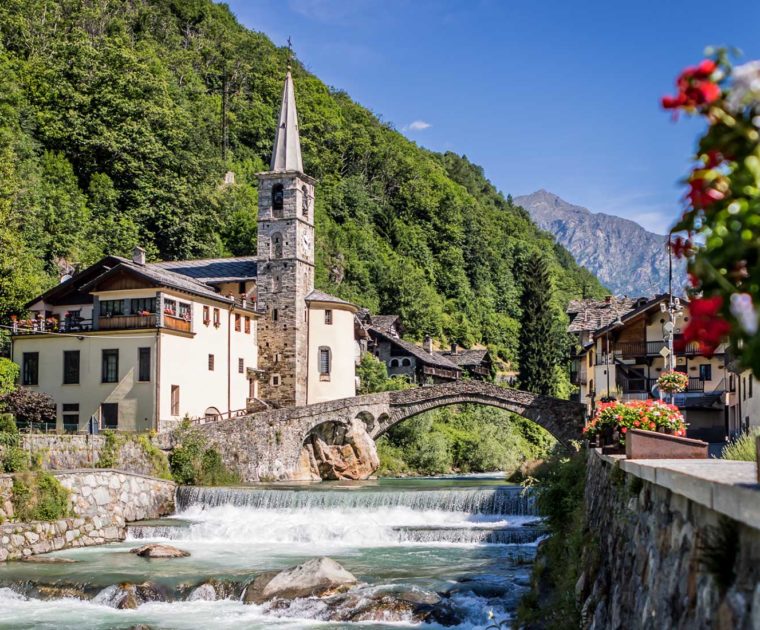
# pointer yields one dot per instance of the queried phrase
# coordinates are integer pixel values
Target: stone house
(475, 363)
(140, 345)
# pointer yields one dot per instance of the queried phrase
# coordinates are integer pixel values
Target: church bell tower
(285, 263)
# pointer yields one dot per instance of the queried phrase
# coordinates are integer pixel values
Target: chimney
(608, 299)
(138, 256)
(427, 345)
(454, 347)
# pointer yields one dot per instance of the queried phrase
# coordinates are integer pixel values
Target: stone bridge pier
(267, 446)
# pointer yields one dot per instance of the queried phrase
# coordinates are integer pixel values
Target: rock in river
(314, 578)
(159, 551)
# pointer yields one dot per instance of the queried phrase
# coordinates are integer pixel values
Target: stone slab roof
(422, 355)
(321, 296)
(385, 322)
(213, 269)
(591, 315)
(474, 356)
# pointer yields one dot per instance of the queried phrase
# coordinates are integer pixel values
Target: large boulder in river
(127, 595)
(337, 451)
(159, 551)
(315, 578)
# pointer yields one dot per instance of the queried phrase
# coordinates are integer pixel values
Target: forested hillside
(111, 135)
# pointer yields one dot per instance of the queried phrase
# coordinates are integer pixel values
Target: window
(744, 388)
(110, 366)
(143, 364)
(241, 288)
(247, 325)
(276, 250)
(211, 363)
(751, 379)
(175, 400)
(406, 362)
(275, 315)
(71, 367)
(241, 366)
(275, 379)
(705, 372)
(109, 415)
(185, 311)
(277, 357)
(394, 363)
(217, 320)
(305, 200)
(170, 307)
(328, 317)
(138, 306)
(237, 322)
(206, 315)
(278, 198)
(70, 417)
(324, 361)
(109, 308)
(30, 369)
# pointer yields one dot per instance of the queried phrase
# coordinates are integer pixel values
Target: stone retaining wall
(663, 532)
(69, 452)
(102, 502)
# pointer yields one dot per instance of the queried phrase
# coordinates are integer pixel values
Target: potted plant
(612, 421)
(673, 382)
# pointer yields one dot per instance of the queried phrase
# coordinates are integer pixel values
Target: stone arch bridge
(266, 446)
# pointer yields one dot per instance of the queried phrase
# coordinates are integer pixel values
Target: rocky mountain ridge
(627, 259)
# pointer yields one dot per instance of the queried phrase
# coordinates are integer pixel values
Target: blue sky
(544, 94)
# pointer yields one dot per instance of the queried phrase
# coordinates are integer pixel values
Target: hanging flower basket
(613, 420)
(673, 382)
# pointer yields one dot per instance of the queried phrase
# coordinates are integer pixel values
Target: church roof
(321, 296)
(286, 154)
(213, 269)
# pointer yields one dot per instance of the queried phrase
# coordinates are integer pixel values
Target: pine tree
(538, 339)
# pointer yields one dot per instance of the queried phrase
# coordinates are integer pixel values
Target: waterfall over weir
(491, 500)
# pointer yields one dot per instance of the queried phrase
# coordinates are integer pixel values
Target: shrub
(8, 424)
(39, 497)
(9, 373)
(109, 454)
(192, 462)
(15, 459)
(742, 448)
(34, 409)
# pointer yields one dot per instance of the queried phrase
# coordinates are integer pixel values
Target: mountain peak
(628, 259)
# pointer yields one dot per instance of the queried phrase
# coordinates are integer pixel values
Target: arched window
(325, 361)
(406, 362)
(305, 200)
(278, 194)
(394, 363)
(276, 251)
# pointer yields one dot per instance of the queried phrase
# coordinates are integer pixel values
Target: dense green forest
(111, 135)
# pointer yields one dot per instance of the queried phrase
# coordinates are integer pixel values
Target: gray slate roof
(466, 357)
(321, 296)
(213, 269)
(384, 322)
(433, 359)
(591, 315)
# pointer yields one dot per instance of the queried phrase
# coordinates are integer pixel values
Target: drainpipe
(157, 415)
(229, 359)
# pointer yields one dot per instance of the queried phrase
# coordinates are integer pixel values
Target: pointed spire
(286, 155)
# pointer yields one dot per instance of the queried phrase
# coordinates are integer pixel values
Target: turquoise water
(471, 539)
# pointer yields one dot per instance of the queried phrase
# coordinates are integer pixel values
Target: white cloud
(417, 125)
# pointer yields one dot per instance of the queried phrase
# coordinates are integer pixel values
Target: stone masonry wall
(102, 502)
(69, 452)
(654, 565)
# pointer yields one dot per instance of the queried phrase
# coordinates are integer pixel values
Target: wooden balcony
(127, 322)
(178, 323)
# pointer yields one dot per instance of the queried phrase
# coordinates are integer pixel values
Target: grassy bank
(466, 438)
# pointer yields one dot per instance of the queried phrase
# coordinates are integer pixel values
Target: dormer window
(278, 198)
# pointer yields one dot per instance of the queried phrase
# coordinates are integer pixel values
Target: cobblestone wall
(101, 501)
(664, 559)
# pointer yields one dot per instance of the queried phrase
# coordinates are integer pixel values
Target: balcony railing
(646, 385)
(123, 322)
(177, 323)
(640, 349)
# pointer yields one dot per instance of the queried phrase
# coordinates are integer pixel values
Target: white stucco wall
(339, 337)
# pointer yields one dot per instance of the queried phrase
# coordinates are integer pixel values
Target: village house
(622, 350)
(140, 345)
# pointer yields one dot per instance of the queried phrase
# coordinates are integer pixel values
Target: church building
(138, 345)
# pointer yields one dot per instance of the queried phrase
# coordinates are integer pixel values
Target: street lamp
(674, 309)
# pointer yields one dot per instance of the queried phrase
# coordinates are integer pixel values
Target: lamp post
(674, 309)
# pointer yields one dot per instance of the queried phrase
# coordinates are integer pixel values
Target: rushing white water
(471, 542)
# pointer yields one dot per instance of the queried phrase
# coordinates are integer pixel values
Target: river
(472, 539)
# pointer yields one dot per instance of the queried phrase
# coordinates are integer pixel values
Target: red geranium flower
(695, 88)
(706, 326)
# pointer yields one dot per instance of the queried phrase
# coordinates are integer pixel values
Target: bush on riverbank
(468, 438)
(742, 448)
(39, 496)
(194, 463)
(560, 486)
(113, 443)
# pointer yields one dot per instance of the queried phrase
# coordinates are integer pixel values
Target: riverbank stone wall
(677, 545)
(102, 502)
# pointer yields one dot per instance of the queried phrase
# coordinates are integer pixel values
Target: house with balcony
(622, 348)
(140, 345)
